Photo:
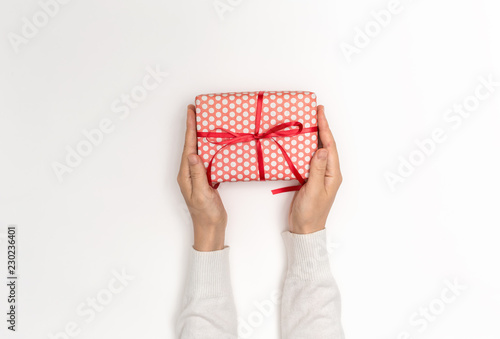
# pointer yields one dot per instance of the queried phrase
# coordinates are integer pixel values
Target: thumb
(197, 172)
(318, 169)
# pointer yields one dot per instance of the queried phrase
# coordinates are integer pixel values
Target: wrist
(209, 239)
(306, 229)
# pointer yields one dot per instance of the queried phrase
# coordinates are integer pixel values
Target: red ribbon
(276, 131)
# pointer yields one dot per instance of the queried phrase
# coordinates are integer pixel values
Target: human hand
(311, 204)
(204, 203)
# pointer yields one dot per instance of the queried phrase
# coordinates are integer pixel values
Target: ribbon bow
(276, 131)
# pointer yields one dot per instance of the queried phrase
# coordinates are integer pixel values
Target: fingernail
(322, 154)
(193, 159)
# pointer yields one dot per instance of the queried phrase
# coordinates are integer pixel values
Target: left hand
(204, 203)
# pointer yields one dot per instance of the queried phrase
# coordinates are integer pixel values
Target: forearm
(311, 299)
(208, 309)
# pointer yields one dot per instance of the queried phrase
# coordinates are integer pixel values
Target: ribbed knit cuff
(209, 274)
(307, 255)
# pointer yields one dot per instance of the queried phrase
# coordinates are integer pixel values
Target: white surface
(121, 208)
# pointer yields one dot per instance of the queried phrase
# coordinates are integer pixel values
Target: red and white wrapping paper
(257, 136)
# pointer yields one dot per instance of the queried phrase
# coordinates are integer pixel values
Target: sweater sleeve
(310, 306)
(208, 309)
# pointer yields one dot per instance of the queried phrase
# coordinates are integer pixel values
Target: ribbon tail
(209, 168)
(286, 189)
(209, 179)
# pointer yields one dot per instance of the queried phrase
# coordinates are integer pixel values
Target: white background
(391, 251)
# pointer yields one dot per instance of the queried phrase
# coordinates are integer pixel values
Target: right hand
(312, 203)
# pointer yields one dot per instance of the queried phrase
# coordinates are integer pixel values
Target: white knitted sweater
(310, 301)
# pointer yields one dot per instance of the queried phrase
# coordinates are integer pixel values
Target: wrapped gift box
(257, 135)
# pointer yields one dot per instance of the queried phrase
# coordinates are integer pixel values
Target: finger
(189, 148)
(320, 144)
(198, 174)
(317, 171)
(190, 140)
(328, 142)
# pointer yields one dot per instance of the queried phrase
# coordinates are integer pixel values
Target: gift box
(257, 136)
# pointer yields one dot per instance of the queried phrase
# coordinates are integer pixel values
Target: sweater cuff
(209, 274)
(307, 255)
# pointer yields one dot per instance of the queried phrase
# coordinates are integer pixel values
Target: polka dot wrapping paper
(241, 135)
